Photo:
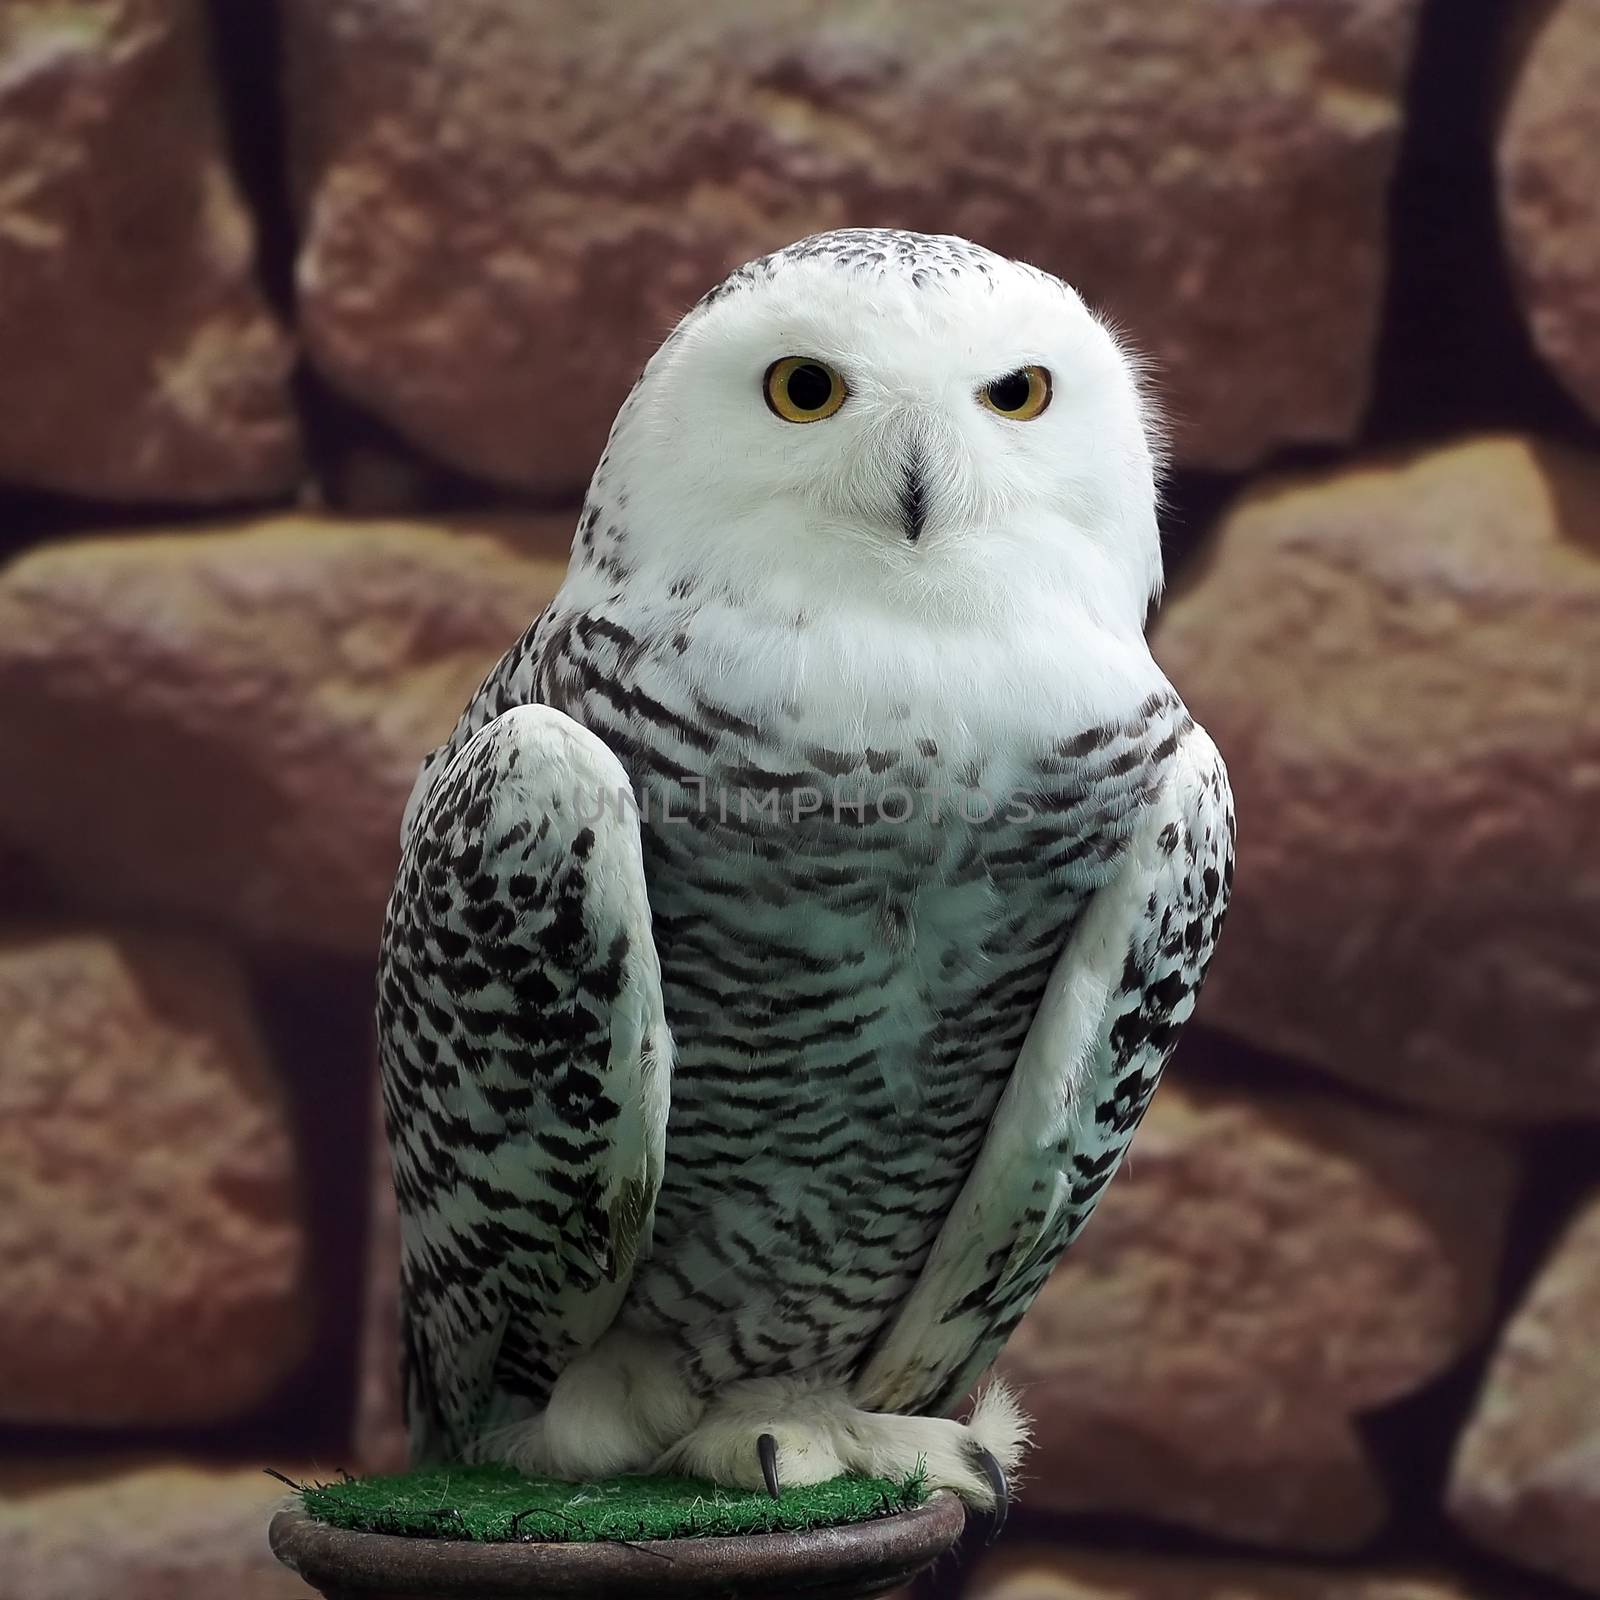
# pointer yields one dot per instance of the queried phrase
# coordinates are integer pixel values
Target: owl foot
(613, 1409)
(770, 1432)
(988, 1465)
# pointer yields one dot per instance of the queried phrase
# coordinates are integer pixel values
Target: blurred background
(313, 315)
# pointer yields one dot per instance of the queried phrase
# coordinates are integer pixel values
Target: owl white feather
(793, 931)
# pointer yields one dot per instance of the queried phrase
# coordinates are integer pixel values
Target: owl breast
(854, 936)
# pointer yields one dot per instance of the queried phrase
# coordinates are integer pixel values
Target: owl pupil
(809, 388)
(1010, 393)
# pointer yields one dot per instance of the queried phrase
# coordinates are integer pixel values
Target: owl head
(876, 418)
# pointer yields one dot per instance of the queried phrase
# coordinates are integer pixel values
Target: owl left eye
(1020, 395)
(803, 389)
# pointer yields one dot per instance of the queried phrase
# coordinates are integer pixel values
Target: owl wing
(525, 1062)
(1111, 1014)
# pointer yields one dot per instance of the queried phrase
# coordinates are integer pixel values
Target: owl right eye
(803, 389)
(1020, 395)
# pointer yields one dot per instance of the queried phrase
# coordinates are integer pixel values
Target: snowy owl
(790, 936)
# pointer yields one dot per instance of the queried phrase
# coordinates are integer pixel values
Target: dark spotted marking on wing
(499, 988)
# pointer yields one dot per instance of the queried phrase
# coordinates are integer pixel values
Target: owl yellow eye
(1020, 395)
(803, 389)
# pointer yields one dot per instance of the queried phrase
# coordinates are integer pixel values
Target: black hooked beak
(913, 497)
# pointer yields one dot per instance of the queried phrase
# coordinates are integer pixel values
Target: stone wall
(313, 314)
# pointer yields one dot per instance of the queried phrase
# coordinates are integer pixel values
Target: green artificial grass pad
(490, 1503)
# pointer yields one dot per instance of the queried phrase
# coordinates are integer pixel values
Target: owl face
(900, 420)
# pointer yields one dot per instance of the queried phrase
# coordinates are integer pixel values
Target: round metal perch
(853, 1562)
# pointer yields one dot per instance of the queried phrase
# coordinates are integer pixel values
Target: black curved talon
(767, 1449)
(995, 1474)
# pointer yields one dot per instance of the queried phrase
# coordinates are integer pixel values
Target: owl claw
(767, 1449)
(996, 1476)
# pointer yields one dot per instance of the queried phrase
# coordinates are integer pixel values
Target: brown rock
(1526, 1479)
(141, 362)
(504, 207)
(1266, 1269)
(130, 1531)
(1401, 664)
(256, 702)
(1549, 170)
(151, 1241)
(380, 1429)
(1044, 1573)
